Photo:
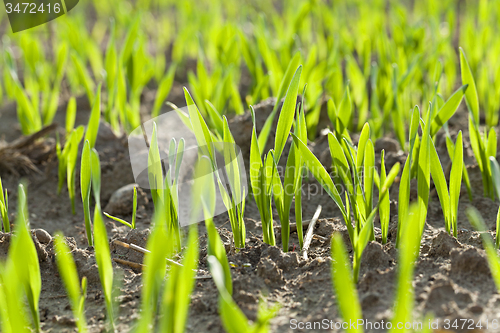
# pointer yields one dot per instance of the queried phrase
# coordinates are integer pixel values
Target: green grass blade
(439, 179)
(96, 175)
(163, 90)
(71, 160)
(155, 170)
(160, 247)
(322, 176)
(495, 171)
(384, 203)
(424, 172)
(471, 92)
(343, 284)
(4, 208)
(233, 319)
(95, 117)
(216, 249)
(456, 181)
(368, 175)
(362, 239)
(104, 264)
(340, 162)
(180, 284)
(118, 220)
(24, 255)
(448, 109)
(287, 115)
(70, 115)
(284, 85)
(85, 186)
(69, 275)
(408, 253)
(363, 139)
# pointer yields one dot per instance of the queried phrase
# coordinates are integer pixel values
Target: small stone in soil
(42, 236)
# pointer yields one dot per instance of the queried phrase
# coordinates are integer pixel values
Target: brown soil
(452, 279)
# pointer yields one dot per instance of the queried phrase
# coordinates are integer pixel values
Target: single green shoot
(104, 264)
(495, 171)
(483, 145)
(24, 255)
(77, 292)
(260, 181)
(4, 208)
(449, 198)
(179, 286)
(404, 183)
(160, 247)
(94, 119)
(408, 253)
(163, 90)
(233, 319)
(70, 157)
(70, 115)
(385, 202)
(134, 213)
(344, 285)
(13, 317)
(85, 186)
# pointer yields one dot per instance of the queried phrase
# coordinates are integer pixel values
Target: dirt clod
(442, 245)
(268, 269)
(469, 261)
(374, 257)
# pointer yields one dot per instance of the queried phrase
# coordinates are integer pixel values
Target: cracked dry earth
(452, 279)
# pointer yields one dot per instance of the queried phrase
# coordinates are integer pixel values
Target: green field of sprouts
(351, 147)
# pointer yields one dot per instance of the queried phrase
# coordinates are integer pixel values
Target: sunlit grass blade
(456, 182)
(368, 177)
(70, 115)
(424, 172)
(287, 115)
(71, 159)
(104, 264)
(408, 253)
(85, 186)
(384, 203)
(24, 255)
(471, 92)
(284, 85)
(447, 110)
(319, 172)
(13, 317)
(84, 76)
(96, 175)
(69, 276)
(180, 284)
(361, 240)
(441, 186)
(4, 208)
(94, 119)
(159, 248)
(343, 284)
(163, 90)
